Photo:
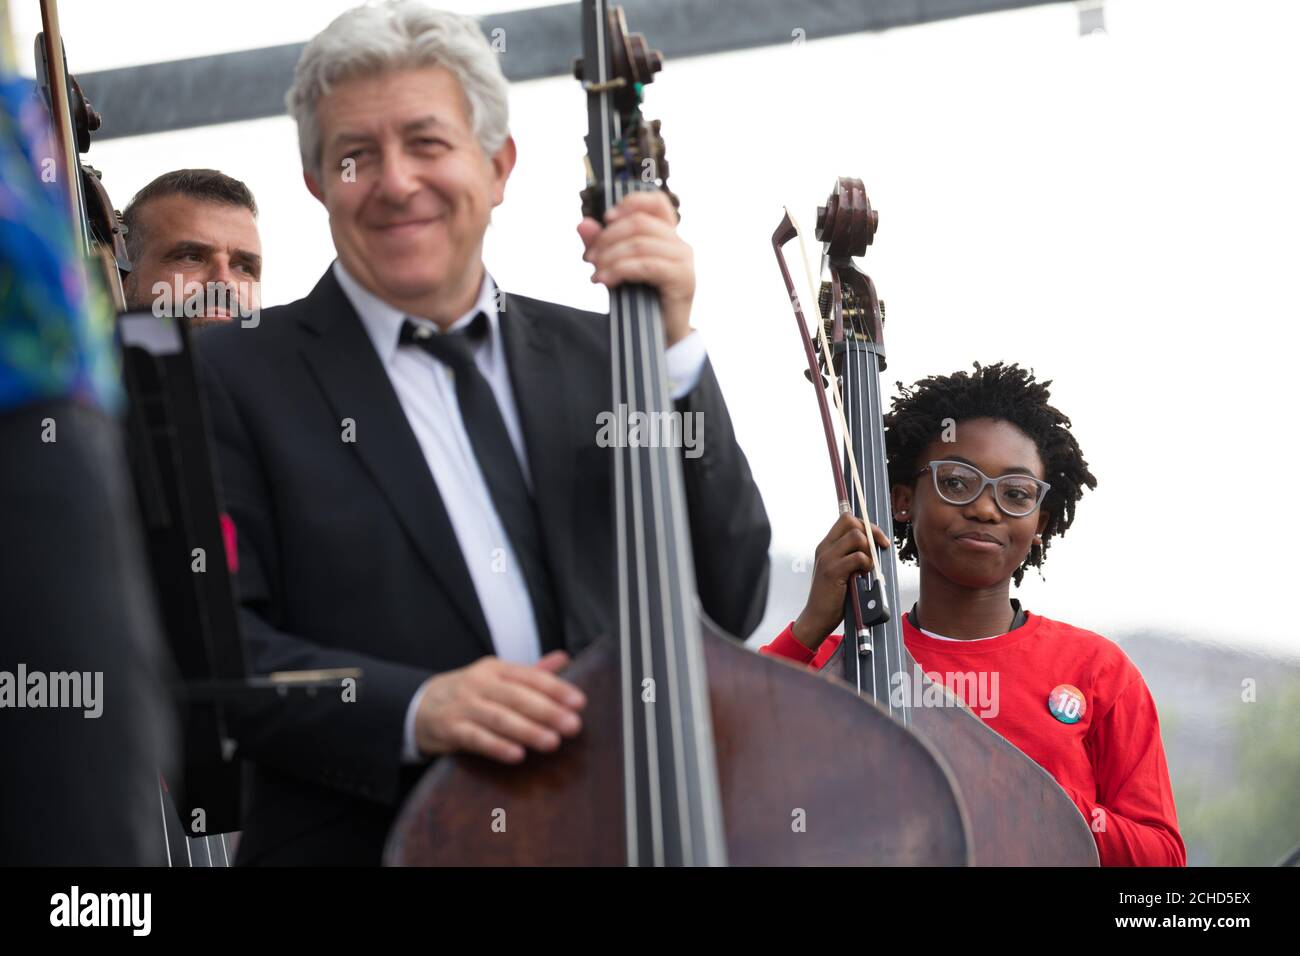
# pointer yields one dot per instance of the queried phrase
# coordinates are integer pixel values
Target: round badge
(1066, 703)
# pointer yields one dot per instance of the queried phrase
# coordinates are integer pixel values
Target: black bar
(537, 43)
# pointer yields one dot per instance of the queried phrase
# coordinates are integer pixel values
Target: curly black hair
(1005, 392)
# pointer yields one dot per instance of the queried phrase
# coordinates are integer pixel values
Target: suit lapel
(357, 386)
(547, 418)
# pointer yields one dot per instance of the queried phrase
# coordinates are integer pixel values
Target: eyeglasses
(959, 484)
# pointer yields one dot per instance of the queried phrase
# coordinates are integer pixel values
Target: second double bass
(1020, 815)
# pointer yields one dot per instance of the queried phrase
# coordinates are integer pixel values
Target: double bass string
(635, 352)
(623, 345)
(888, 578)
(690, 738)
(849, 390)
(869, 430)
(630, 314)
(673, 623)
(631, 818)
(852, 364)
(162, 808)
(705, 803)
(618, 334)
(624, 318)
(862, 383)
(684, 793)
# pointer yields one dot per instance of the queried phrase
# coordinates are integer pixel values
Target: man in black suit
(409, 455)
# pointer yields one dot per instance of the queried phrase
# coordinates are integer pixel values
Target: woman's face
(977, 544)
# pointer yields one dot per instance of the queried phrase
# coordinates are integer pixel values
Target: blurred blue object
(55, 329)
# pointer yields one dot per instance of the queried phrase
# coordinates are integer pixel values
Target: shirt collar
(383, 322)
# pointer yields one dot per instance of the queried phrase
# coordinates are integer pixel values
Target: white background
(1116, 211)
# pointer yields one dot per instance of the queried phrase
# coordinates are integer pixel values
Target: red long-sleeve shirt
(1110, 760)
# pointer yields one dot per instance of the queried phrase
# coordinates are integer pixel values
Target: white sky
(1116, 212)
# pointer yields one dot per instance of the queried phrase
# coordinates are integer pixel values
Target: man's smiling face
(408, 187)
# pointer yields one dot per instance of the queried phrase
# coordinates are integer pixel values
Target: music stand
(168, 442)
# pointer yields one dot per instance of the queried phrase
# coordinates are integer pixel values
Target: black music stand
(168, 447)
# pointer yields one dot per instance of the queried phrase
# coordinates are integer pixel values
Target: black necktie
(498, 462)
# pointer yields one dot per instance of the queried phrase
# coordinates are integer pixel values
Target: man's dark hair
(1004, 392)
(208, 185)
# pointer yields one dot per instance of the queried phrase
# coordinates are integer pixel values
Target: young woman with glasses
(985, 474)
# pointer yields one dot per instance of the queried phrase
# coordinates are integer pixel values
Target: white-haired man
(447, 532)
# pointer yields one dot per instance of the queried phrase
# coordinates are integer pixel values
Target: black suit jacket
(76, 597)
(347, 556)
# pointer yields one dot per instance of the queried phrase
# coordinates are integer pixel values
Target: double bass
(694, 750)
(101, 237)
(1020, 814)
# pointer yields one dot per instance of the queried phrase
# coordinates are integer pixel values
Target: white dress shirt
(427, 392)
